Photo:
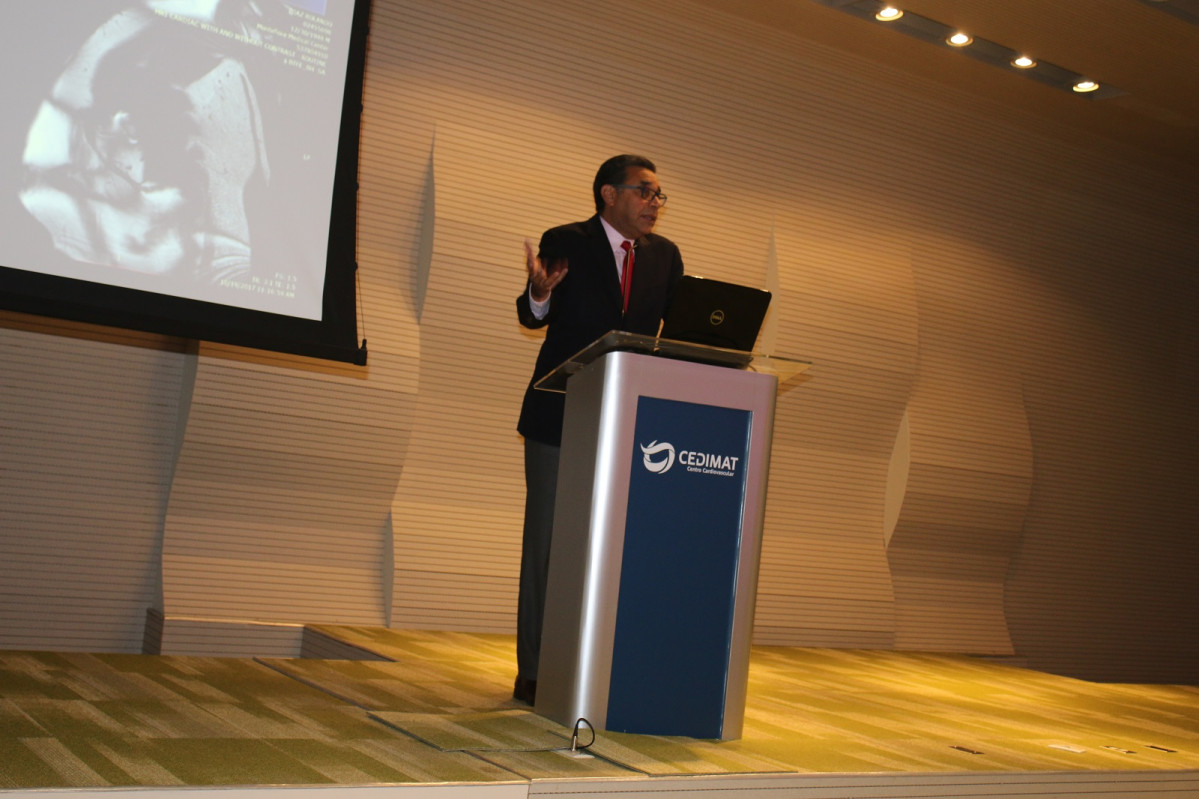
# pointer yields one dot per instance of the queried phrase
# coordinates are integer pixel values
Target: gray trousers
(541, 482)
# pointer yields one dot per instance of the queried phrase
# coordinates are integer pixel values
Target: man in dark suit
(581, 286)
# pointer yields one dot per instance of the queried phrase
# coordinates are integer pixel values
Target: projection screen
(187, 167)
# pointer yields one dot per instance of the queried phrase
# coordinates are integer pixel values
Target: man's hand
(542, 276)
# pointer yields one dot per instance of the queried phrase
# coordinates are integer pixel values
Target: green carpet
(79, 720)
(439, 710)
(498, 730)
(401, 687)
(555, 765)
(919, 712)
(516, 740)
(661, 756)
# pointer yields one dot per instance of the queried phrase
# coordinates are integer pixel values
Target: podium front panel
(657, 535)
(678, 580)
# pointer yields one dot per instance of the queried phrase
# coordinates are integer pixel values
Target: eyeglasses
(646, 192)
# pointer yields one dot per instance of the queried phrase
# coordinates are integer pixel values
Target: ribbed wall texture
(87, 440)
(994, 451)
(279, 504)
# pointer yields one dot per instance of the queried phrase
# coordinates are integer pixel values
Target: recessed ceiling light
(884, 12)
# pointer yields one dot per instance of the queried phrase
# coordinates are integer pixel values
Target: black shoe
(525, 691)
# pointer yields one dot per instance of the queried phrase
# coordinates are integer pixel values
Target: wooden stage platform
(409, 714)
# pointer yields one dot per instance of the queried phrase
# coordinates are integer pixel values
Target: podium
(657, 535)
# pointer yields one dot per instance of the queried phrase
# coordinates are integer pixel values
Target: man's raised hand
(543, 277)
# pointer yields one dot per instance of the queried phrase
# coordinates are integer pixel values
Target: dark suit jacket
(587, 304)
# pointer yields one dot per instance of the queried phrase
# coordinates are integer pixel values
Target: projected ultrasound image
(148, 171)
(169, 147)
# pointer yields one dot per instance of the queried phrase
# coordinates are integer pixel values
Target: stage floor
(435, 709)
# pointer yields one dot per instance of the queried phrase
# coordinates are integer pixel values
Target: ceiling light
(931, 31)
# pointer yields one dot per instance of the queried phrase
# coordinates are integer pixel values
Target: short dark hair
(613, 171)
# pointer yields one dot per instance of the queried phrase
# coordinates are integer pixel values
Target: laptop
(715, 313)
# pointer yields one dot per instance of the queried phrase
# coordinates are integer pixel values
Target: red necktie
(626, 273)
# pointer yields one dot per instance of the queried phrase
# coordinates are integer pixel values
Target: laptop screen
(715, 313)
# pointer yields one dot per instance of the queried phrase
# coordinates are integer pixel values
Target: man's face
(624, 209)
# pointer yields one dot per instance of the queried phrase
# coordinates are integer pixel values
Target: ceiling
(1151, 55)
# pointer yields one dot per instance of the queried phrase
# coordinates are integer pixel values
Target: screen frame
(334, 336)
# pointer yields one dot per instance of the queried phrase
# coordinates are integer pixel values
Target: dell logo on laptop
(717, 317)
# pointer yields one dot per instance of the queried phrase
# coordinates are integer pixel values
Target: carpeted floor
(440, 710)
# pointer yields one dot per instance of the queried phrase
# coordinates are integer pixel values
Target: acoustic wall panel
(84, 461)
(993, 452)
(792, 164)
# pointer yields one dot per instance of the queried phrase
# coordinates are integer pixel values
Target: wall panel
(84, 463)
(918, 298)
(994, 451)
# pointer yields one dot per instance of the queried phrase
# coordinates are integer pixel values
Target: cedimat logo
(658, 457)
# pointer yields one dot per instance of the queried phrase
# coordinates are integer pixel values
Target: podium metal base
(657, 537)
